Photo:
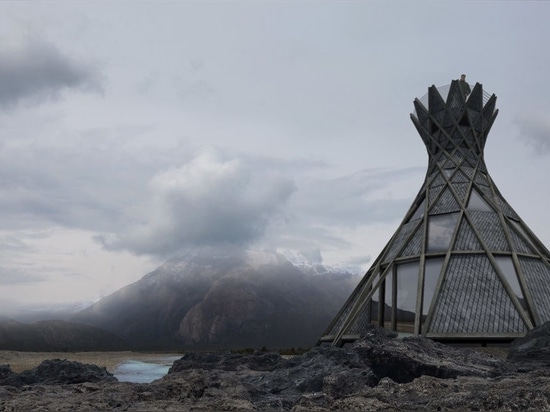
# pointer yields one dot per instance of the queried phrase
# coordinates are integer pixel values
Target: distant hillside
(56, 335)
(208, 300)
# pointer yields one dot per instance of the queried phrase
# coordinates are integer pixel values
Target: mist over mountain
(213, 298)
(38, 312)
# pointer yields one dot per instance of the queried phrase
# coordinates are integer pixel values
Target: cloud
(32, 70)
(369, 195)
(96, 180)
(211, 199)
(72, 182)
(535, 131)
(12, 276)
(345, 216)
(10, 243)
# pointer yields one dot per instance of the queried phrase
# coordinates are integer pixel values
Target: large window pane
(431, 275)
(407, 284)
(476, 202)
(374, 302)
(388, 301)
(419, 212)
(506, 266)
(440, 231)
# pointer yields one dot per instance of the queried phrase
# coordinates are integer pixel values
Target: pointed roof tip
(443, 92)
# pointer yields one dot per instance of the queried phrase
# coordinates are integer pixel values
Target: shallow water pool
(143, 371)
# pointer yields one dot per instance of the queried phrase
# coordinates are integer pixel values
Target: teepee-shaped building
(462, 266)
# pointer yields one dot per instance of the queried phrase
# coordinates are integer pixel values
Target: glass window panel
(388, 301)
(506, 266)
(431, 275)
(376, 277)
(420, 211)
(407, 284)
(374, 302)
(440, 231)
(476, 202)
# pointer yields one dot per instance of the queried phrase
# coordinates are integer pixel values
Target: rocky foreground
(378, 372)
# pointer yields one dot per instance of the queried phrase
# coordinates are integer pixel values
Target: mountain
(212, 299)
(56, 335)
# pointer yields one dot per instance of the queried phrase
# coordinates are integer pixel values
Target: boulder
(407, 359)
(228, 361)
(533, 347)
(7, 376)
(56, 372)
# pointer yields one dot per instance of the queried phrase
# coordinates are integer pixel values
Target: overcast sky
(130, 131)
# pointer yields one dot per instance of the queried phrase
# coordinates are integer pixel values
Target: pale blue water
(144, 372)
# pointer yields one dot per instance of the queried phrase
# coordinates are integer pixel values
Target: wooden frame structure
(462, 266)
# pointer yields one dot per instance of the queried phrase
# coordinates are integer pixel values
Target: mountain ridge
(213, 299)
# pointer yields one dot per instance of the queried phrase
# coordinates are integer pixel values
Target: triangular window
(419, 211)
(476, 202)
(440, 231)
(506, 266)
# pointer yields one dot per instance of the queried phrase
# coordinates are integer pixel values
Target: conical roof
(462, 265)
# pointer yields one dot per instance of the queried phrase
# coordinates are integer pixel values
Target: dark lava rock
(227, 361)
(197, 360)
(533, 347)
(377, 372)
(407, 359)
(56, 372)
(325, 374)
(7, 376)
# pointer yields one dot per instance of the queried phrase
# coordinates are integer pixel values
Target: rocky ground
(20, 361)
(379, 372)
